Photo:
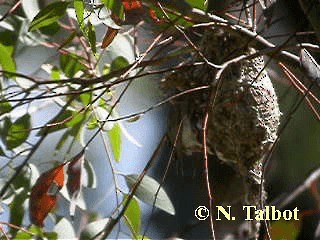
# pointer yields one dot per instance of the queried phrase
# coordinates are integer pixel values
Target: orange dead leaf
(44, 194)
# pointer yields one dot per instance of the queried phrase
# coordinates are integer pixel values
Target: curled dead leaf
(43, 196)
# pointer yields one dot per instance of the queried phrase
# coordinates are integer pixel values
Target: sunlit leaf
(92, 123)
(7, 62)
(147, 190)
(77, 118)
(35, 232)
(18, 132)
(43, 196)
(133, 216)
(86, 98)
(55, 73)
(48, 15)
(310, 65)
(79, 8)
(115, 140)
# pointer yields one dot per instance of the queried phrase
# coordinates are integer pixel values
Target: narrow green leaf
(147, 190)
(18, 132)
(133, 216)
(79, 8)
(92, 37)
(6, 61)
(118, 63)
(115, 6)
(49, 15)
(115, 140)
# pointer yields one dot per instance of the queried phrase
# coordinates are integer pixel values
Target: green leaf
(55, 73)
(93, 228)
(70, 64)
(51, 29)
(147, 190)
(4, 128)
(17, 210)
(92, 123)
(92, 37)
(77, 118)
(115, 140)
(200, 4)
(6, 61)
(118, 63)
(5, 107)
(86, 98)
(79, 8)
(141, 237)
(133, 216)
(49, 15)
(18, 132)
(34, 233)
(7, 38)
(115, 6)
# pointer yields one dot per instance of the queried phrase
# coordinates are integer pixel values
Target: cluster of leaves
(83, 107)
